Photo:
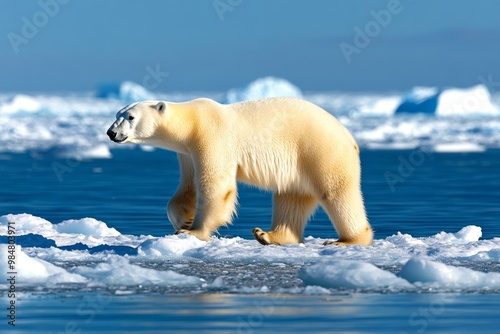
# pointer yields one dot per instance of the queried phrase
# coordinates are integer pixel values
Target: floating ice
(20, 104)
(87, 251)
(420, 100)
(458, 148)
(263, 87)
(86, 226)
(452, 101)
(32, 270)
(87, 231)
(114, 272)
(118, 272)
(350, 274)
(417, 272)
(74, 125)
(448, 277)
(127, 92)
(456, 101)
(175, 245)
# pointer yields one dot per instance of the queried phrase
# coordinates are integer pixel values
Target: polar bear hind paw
(336, 243)
(263, 237)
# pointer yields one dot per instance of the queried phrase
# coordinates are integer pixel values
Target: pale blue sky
(443, 43)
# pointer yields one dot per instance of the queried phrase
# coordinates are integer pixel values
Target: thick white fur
(287, 145)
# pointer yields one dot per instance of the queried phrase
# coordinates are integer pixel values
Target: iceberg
(262, 88)
(420, 100)
(451, 101)
(127, 92)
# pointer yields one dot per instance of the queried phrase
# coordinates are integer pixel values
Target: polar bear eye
(130, 118)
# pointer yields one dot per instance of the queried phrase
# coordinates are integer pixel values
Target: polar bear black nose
(111, 134)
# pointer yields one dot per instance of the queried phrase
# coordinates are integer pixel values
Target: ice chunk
(80, 151)
(315, 290)
(455, 101)
(117, 272)
(262, 88)
(32, 270)
(86, 226)
(218, 283)
(467, 234)
(172, 245)
(451, 101)
(350, 274)
(87, 231)
(127, 92)
(21, 104)
(25, 224)
(458, 148)
(420, 100)
(445, 276)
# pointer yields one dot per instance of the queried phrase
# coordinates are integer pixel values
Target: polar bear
(287, 145)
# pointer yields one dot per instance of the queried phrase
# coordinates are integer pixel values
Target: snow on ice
(458, 261)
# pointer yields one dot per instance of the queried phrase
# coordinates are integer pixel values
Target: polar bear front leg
(215, 196)
(182, 206)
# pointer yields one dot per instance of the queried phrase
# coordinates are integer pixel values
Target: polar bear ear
(161, 106)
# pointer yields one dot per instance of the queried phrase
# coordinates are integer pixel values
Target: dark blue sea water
(409, 191)
(415, 192)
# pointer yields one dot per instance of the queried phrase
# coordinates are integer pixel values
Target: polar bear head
(137, 122)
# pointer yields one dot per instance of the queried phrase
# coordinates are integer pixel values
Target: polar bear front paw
(336, 243)
(186, 225)
(182, 230)
(263, 237)
(197, 233)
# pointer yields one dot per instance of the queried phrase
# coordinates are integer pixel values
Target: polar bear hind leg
(346, 210)
(290, 215)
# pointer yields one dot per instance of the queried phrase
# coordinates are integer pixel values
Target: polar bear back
(277, 138)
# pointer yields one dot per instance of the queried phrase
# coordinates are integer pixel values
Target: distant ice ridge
(262, 88)
(86, 252)
(74, 125)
